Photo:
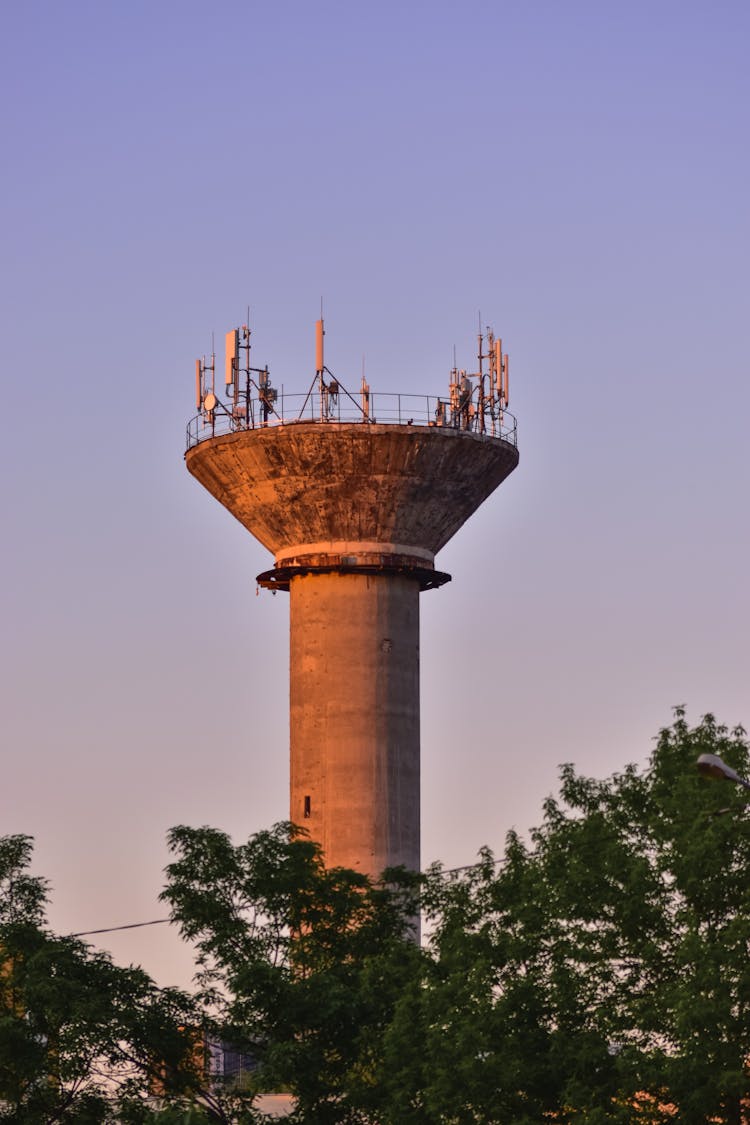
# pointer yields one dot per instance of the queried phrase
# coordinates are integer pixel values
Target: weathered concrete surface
(342, 496)
(354, 717)
(312, 483)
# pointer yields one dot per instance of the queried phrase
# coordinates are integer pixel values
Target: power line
(443, 871)
(162, 921)
(129, 926)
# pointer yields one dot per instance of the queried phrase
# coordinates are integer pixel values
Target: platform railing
(280, 409)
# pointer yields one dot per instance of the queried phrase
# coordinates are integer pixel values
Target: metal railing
(279, 409)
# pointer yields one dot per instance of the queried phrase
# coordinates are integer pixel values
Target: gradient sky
(579, 173)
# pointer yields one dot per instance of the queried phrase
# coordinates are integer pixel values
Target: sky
(578, 174)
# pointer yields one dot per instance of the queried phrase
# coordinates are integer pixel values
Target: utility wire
(163, 921)
(129, 926)
(443, 871)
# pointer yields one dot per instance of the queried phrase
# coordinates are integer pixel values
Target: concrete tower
(354, 497)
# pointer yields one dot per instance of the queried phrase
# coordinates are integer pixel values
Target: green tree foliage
(81, 1040)
(599, 973)
(301, 966)
(647, 878)
(602, 972)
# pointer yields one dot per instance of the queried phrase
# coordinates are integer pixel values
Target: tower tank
(354, 495)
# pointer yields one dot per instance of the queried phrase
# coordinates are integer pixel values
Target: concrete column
(354, 717)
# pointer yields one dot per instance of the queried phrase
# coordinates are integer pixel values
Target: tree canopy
(81, 1039)
(302, 966)
(598, 972)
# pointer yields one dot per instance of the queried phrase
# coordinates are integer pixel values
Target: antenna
(205, 399)
(232, 357)
(319, 334)
(365, 393)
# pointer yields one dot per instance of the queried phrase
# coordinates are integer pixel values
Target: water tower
(354, 494)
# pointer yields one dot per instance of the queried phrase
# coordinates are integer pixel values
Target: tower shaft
(354, 717)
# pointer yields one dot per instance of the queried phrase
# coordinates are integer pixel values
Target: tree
(81, 1039)
(598, 973)
(651, 876)
(602, 973)
(301, 966)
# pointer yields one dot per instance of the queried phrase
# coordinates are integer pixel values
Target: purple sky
(577, 172)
